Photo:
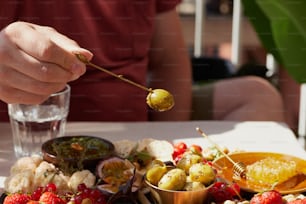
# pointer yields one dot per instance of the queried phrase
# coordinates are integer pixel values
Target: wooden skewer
(238, 167)
(83, 59)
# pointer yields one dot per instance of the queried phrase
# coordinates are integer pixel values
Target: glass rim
(63, 91)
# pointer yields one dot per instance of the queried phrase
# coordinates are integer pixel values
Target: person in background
(139, 39)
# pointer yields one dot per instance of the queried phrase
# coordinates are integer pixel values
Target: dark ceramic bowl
(77, 152)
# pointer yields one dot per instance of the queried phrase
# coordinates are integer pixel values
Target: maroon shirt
(118, 32)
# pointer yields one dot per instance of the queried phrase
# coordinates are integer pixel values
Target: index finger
(47, 45)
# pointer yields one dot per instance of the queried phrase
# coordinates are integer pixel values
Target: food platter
(296, 184)
(148, 149)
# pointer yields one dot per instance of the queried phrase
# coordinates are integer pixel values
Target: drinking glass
(32, 125)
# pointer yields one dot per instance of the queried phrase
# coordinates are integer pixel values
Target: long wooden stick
(83, 59)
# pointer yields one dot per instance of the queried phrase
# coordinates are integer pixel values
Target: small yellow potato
(174, 179)
(155, 172)
(187, 161)
(202, 173)
(194, 186)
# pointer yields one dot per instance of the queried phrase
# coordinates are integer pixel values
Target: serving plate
(296, 184)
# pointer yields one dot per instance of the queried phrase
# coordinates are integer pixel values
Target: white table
(250, 136)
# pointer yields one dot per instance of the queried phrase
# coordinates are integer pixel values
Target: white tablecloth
(250, 136)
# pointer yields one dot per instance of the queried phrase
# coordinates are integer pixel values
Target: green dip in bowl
(73, 153)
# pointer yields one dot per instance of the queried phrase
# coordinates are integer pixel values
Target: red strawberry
(16, 198)
(33, 202)
(51, 198)
(299, 201)
(268, 197)
(221, 191)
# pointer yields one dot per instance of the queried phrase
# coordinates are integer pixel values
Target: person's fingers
(40, 71)
(17, 80)
(19, 95)
(63, 41)
(40, 44)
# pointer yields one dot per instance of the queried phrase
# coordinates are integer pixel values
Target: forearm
(170, 66)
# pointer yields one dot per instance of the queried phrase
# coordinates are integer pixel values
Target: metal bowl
(177, 197)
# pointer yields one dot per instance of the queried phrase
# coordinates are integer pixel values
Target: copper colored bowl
(178, 197)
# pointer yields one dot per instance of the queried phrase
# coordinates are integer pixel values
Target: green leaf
(281, 27)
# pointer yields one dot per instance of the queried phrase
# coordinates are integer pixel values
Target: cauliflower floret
(143, 144)
(155, 146)
(19, 182)
(84, 176)
(61, 182)
(47, 173)
(123, 148)
(25, 163)
(28, 173)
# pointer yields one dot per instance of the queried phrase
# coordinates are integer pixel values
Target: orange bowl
(295, 185)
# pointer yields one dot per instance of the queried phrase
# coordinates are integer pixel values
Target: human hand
(36, 61)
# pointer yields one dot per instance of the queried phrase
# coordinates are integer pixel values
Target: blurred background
(216, 41)
(217, 31)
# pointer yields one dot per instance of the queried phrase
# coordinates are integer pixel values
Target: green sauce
(84, 147)
(73, 152)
